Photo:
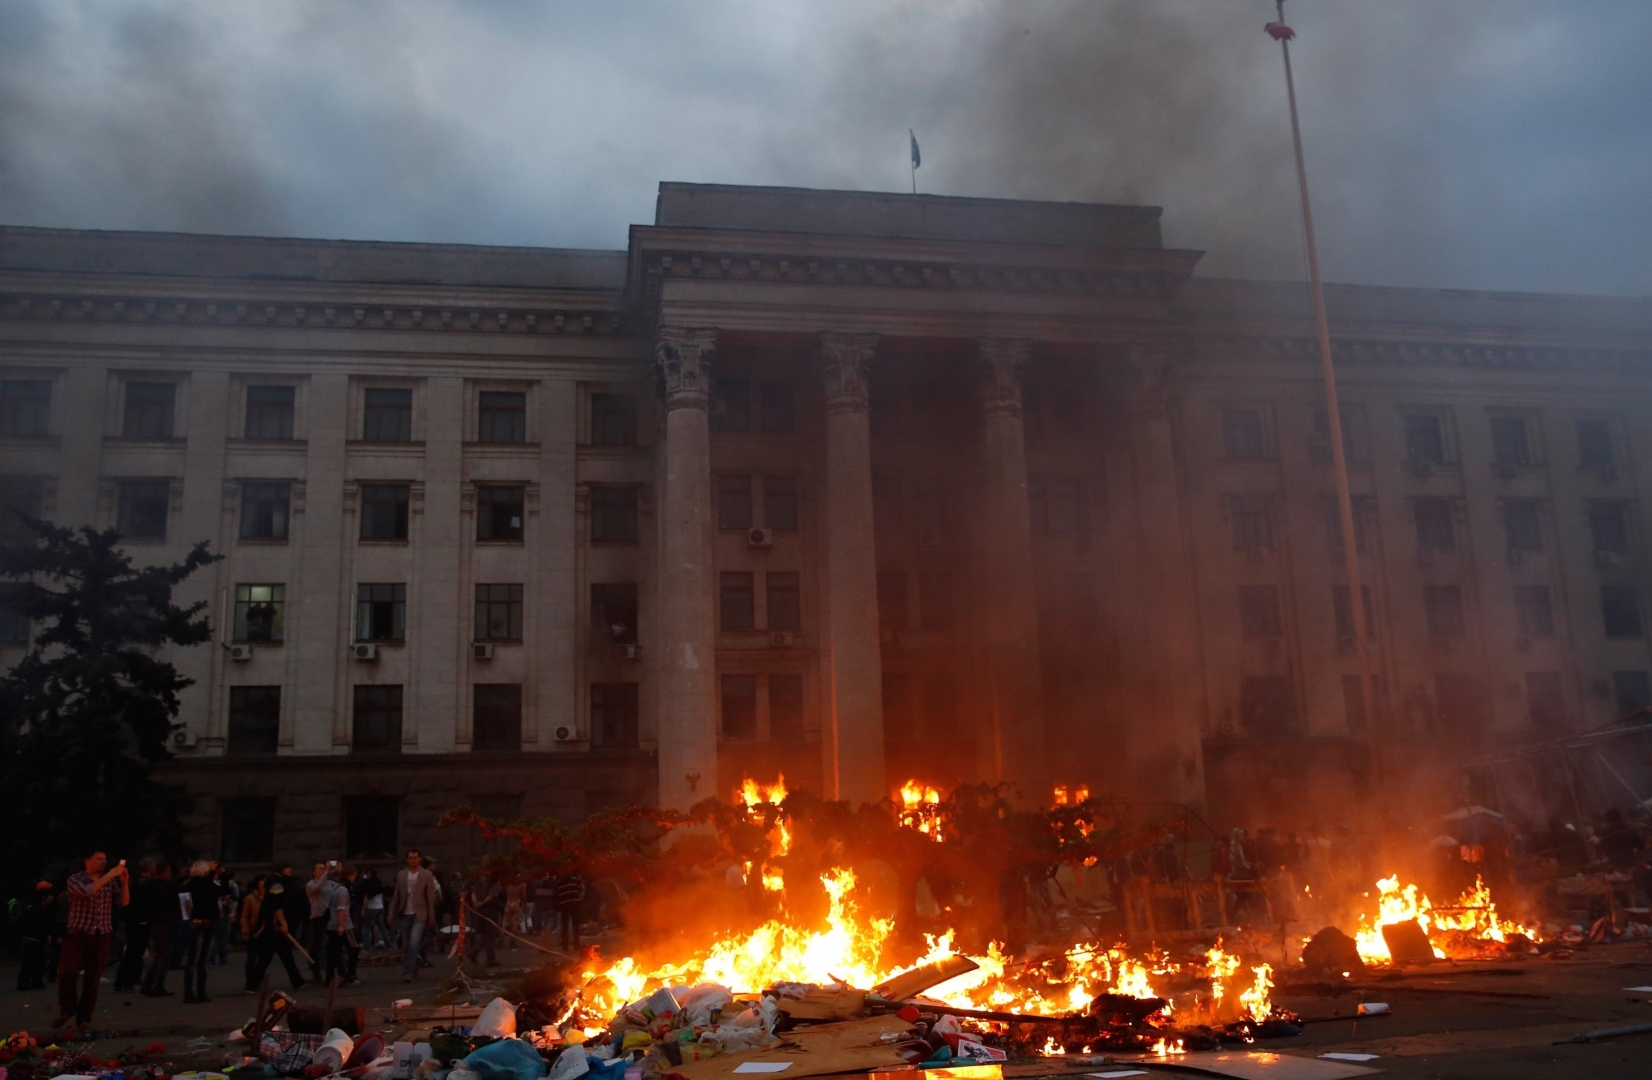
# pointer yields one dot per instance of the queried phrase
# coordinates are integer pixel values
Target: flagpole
(1333, 414)
(912, 140)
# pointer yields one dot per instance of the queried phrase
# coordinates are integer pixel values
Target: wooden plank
(922, 977)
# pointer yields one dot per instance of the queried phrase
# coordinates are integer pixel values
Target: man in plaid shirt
(86, 945)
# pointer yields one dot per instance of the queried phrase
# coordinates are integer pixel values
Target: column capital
(682, 363)
(999, 363)
(846, 362)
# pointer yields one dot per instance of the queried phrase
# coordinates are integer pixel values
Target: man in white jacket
(413, 906)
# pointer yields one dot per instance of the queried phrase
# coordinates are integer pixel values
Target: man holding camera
(92, 895)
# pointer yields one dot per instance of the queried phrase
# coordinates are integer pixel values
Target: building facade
(854, 487)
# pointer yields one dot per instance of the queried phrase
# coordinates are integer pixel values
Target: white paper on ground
(1121, 1072)
(1372, 1008)
(1639, 989)
(763, 1066)
(1350, 1057)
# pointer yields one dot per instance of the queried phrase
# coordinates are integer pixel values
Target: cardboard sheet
(1253, 1066)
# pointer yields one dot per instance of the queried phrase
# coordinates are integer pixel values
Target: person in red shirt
(92, 895)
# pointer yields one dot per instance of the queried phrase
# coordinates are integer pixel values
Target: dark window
(1546, 700)
(381, 613)
(613, 514)
(1424, 439)
(780, 503)
(1521, 523)
(260, 612)
(388, 415)
(371, 826)
(20, 497)
(1609, 525)
(498, 717)
(940, 705)
(733, 501)
(1342, 604)
(1319, 444)
(737, 602)
(1242, 435)
(1251, 525)
(248, 830)
(1259, 611)
(498, 613)
(1594, 444)
(614, 612)
(1364, 508)
(502, 416)
(893, 609)
(143, 509)
(1621, 610)
(935, 600)
(1510, 444)
(786, 709)
(775, 408)
(614, 715)
(14, 624)
(149, 408)
(1632, 691)
(888, 509)
(265, 509)
(1444, 604)
(254, 719)
(739, 707)
(1268, 706)
(1435, 531)
(25, 406)
(1534, 611)
(730, 405)
(499, 513)
(270, 412)
(784, 594)
(498, 809)
(376, 722)
(1464, 709)
(613, 420)
(384, 511)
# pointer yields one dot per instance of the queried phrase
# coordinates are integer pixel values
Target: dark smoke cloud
(1475, 143)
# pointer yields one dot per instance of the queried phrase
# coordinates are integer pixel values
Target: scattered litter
(1351, 1057)
(763, 1066)
(1608, 1033)
(201, 1043)
(1639, 989)
(1372, 1008)
(1119, 1072)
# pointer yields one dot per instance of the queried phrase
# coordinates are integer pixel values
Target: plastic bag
(702, 1004)
(507, 1059)
(498, 1020)
(570, 1064)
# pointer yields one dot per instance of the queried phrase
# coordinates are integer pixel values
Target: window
(1342, 605)
(1252, 529)
(737, 602)
(14, 624)
(498, 717)
(739, 707)
(1365, 512)
(1510, 443)
(143, 508)
(260, 612)
(388, 415)
(370, 826)
(935, 599)
(786, 709)
(498, 613)
(613, 420)
(1632, 691)
(265, 509)
(270, 412)
(780, 503)
(502, 416)
(25, 407)
(384, 511)
(149, 408)
(613, 514)
(1424, 439)
(1594, 444)
(254, 719)
(499, 513)
(381, 612)
(775, 408)
(1521, 523)
(1546, 700)
(893, 610)
(784, 594)
(614, 612)
(1620, 608)
(733, 501)
(1609, 525)
(1534, 611)
(248, 831)
(20, 497)
(376, 722)
(1444, 605)
(940, 704)
(730, 405)
(1242, 435)
(1267, 706)
(1435, 531)
(614, 715)
(1259, 611)
(1464, 709)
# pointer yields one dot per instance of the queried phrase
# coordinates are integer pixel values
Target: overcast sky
(1502, 144)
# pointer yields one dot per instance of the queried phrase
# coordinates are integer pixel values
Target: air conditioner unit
(626, 651)
(1607, 558)
(183, 739)
(780, 640)
(363, 650)
(564, 734)
(481, 650)
(240, 653)
(760, 538)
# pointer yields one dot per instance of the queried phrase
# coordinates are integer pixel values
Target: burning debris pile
(1470, 929)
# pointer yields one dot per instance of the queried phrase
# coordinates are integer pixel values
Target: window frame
(500, 714)
(285, 413)
(376, 417)
(776, 407)
(618, 732)
(374, 498)
(162, 422)
(262, 493)
(736, 508)
(1621, 614)
(726, 700)
(613, 424)
(25, 414)
(489, 415)
(263, 714)
(488, 604)
(364, 713)
(1233, 436)
(605, 596)
(623, 512)
(488, 507)
(244, 605)
(127, 498)
(736, 600)
(367, 609)
(787, 585)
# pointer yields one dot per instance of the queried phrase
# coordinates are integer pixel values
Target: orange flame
(1452, 931)
(920, 808)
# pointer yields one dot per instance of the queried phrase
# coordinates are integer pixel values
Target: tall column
(1017, 680)
(688, 632)
(853, 726)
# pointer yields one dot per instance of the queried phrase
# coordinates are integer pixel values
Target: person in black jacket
(203, 893)
(163, 926)
(274, 930)
(140, 914)
(34, 928)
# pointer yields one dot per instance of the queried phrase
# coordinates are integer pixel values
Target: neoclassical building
(850, 486)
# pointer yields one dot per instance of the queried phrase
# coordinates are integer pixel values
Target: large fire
(1462, 931)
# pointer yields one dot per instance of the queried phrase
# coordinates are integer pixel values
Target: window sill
(267, 444)
(26, 442)
(502, 543)
(411, 446)
(383, 643)
(262, 541)
(614, 543)
(136, 442)
(259, 643)
(496, 641)
(149, 540)
(479, 445)
(373, 542)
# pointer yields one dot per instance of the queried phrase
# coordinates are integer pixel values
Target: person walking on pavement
(275, 935)
(34, 928)
(93, 894)
(374, 933)
(570, 902)
(163, 925)
(315, 938)
(341, 930)
(251, 904)
(485, 903)
(414, 903)
(201, 894)
(139, 918)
